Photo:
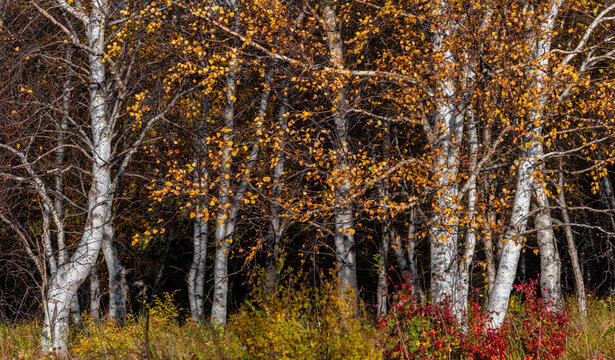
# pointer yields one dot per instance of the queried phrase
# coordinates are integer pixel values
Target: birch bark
(94, 293)
(540, 43)
(229, 204)
(448, 130)
(196, 275)
(460, 307)
(278, 225)
(117, 274)
(345, 254)
(65, 282)
(550, 264)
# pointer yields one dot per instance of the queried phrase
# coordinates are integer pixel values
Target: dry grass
(593, 338)
(594, 334)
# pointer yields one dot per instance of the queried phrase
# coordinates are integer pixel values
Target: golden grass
(593, 337)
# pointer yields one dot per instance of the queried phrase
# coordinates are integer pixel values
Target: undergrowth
(295, 321)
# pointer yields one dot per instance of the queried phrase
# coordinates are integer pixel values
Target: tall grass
(591, 336)
(594, 334)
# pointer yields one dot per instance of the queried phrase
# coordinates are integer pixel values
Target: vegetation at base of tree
(295, 322)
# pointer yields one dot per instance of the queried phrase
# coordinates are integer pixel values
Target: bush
(417, 330)
(105, 338)
(296, 321)
(541, 332)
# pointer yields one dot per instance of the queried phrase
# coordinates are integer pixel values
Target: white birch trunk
(448, 128)
(117, 274)
(382, 293)
(345, 253)
(385, 242)
(550, 264)
(223, 242)
(229, 204)
(412, 264)
(94, 293)
(460, 307)
(75, 312)
(196, 275)
(51, 259)
(64, 284)
(513, 241)
(276, 230)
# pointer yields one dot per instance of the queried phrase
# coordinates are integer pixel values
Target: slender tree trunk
(223, 240)
(382, 293)
(448, 132)
(550, 264)
(94, 293)
(385, 240)
(412, 264)
(229, 205)
(489, 255)
(405, 254)
(579, 285)
(461, 305)
(117, 274)
(491, 217)
(513, 243)
(607, 190)
(67, 279)
(276, 229)
(75, 311)
(51, 259)
(540, 43)
(345, 253)
(196, 275)
(522, 268)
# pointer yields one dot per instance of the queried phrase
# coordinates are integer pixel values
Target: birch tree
(345, 252)
(540, 42)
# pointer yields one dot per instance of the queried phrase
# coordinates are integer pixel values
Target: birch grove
(457, 148)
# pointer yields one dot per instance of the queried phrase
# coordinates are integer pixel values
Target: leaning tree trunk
(513, 240)
(579, 285)
(66, 281)
(345, 254)
(75, 311)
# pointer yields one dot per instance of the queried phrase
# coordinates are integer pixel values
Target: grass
(593, 337)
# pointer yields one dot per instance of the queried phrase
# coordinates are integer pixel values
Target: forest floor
(586, 337)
